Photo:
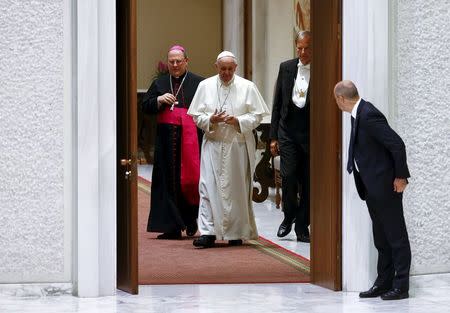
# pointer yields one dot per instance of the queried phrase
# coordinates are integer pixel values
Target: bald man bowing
(227, 108)
(377, 159)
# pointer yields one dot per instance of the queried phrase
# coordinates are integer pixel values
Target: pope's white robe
(227, 157)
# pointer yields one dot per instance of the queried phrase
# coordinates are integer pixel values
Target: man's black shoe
(205, 241)
(373, 292)
(236, 242)
(191, 230)
(285, 228)
(303, 238)
(171, 236)
(395, 294)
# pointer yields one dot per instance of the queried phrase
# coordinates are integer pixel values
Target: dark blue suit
(380, 157)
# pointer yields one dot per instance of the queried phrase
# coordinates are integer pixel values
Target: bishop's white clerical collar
(179, 77)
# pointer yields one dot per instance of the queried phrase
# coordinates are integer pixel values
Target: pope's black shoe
(373, 292)
(191, 230)
(176, 235)
(395, 294)
(205, 241)
(236, 242)
(285, 228)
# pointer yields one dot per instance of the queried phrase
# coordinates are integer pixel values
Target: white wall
(422, 112)
(58, 146)
(398, 53)
(259, 45)
(35, 239)
(365, 45)
(279, 41)
(95, 148)
(273, 43)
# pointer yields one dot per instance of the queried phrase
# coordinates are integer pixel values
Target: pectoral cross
(301, 93)
(173, 105)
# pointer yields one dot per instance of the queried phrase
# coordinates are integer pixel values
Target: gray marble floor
(145, 171)
(429, 293)
(267, 216)
(283, 298)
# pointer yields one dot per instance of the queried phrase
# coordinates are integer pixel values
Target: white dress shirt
(354, 111)
(355, 108)
(301, 85)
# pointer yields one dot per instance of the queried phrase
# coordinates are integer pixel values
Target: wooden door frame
(326, 139)
(325, 166)
(326, 145)
(127, 217)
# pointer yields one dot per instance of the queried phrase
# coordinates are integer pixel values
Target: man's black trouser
(294, 170)
(391, 240)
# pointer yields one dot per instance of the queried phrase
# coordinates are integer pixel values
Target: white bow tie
(300, 65)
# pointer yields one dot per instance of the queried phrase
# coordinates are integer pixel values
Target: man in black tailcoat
(289, 134)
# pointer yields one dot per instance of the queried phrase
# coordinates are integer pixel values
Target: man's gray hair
(347, 89)
(302, 34)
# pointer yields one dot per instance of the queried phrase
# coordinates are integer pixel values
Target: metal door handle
(125, 162)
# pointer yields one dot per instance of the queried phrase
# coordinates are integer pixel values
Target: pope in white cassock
(227, 108)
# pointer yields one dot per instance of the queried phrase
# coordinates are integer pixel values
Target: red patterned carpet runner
(179, 262)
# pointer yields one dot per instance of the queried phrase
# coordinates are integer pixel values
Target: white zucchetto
(225, 54)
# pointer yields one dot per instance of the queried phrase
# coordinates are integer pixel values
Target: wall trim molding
(233, 31)
(94, 148)
(365, 60)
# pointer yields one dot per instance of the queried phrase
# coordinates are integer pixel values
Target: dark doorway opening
(325, 165)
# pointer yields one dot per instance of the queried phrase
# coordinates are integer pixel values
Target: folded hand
(274, 149)
(231, 120)
(167, 98)
(218, 117)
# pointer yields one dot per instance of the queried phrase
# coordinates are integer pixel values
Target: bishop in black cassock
(174, 192)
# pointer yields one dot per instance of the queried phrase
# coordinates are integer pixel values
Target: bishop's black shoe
(191, 230)
(373, 292)
(236, 242)
(205, 241)
(285, 227)
(176, 235)
(395, 294)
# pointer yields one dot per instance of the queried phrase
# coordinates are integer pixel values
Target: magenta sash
(190, 154)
